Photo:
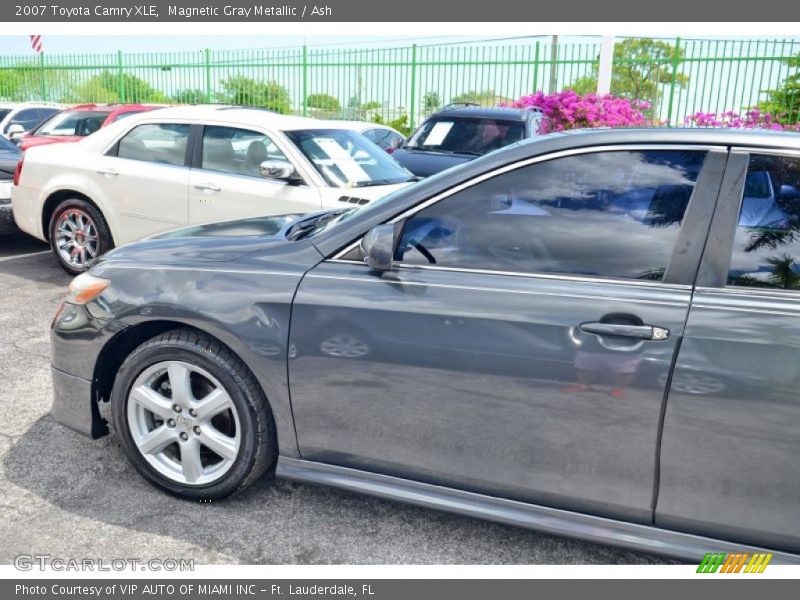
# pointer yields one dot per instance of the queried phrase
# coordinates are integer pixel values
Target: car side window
(237, 151)
(29, 117)
(156, 142)
(611, 214)
(371, 135)
(766, 247)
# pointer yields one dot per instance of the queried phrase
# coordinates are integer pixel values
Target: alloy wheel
(77, 240)
(183, 422)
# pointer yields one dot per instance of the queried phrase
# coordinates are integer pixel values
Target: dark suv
(459, 133)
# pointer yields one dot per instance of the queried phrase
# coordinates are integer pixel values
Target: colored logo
(714, 562)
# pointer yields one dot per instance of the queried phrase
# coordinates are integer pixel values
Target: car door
(731, 438)
(522, 343)
(226, 182)
(144, 180)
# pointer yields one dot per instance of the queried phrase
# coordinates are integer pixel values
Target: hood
(425, 164)
(213, 242)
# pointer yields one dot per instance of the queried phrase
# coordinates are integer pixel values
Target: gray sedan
(592, 334)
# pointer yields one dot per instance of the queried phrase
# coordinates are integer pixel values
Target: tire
(78, 234)
(168, 447)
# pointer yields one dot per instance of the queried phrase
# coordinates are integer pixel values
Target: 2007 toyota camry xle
(591, 334)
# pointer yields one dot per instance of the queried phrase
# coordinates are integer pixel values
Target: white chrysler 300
(189, 165)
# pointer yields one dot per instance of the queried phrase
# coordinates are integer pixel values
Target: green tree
(24, 82)
(108, 86)
(323, 102)
(641, 67)
(431, 101)
(486, 97)
(189, 96)
(784, 102)
(400, 124)
(371, 105)
(244, 91)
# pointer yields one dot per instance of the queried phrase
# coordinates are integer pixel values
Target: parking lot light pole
(413, 85)
(606, 65)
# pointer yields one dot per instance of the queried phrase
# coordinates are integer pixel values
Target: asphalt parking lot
(67, 496)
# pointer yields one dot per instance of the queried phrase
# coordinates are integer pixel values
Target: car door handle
(641, 332)
(108, 172)
(208, 186)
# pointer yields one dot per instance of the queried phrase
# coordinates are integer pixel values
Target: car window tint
(766, 247)
(393, 140)
(471, 135)
(156, 142)
(611, 214)
(371, 135)
(237, 151)
(126, 114)
(69, 123)
(29, 117)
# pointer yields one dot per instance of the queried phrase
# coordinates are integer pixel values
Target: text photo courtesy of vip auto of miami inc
(398, 299)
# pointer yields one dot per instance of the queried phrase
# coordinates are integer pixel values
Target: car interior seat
(256, 154)
(218, 155)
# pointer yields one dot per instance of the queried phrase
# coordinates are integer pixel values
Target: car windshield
(67, 123)
(346, 159)
(467, 135)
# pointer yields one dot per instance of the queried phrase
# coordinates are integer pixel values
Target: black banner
(728, 587)
(406, 11)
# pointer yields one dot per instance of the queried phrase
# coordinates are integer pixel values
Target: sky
(57, 44)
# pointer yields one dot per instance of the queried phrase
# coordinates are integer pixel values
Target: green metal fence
(679, 77)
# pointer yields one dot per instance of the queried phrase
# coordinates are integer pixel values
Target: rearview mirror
(277, 169)
(377, 246)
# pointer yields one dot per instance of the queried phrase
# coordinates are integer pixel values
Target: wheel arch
(55, 198)
(119, 347)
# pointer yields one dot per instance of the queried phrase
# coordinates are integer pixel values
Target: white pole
(606, 64)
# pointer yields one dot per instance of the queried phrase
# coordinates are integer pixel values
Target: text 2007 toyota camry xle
(593, 334)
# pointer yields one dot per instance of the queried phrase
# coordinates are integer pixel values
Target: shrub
(750, 119)
(570, 110)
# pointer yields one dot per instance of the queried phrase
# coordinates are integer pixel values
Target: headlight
(85, 288)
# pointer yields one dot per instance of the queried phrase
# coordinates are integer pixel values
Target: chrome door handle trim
(641, 332)
(208, 186)
(109, 171)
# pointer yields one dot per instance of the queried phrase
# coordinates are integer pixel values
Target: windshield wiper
(382, 182)
(302, 228)
(444, 152)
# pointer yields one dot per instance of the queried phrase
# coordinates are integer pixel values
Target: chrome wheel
(77, 240)
(183, 422)
(344, 346)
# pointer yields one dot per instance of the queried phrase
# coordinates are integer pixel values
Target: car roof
(241, 115)
(487, 112)
(708, 136)
(109, 108)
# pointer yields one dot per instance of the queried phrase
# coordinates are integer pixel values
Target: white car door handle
(109, 172)
(208, 186)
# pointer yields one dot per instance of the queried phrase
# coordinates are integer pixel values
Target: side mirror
(277, 169)
(377, 246)
(15, 131)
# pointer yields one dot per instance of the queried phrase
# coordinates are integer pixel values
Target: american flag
(36, 43)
